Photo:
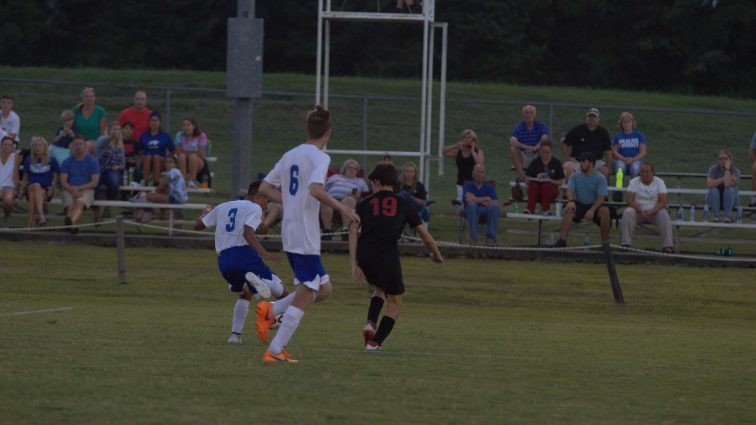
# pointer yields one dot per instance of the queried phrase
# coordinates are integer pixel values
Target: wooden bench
(203, 190)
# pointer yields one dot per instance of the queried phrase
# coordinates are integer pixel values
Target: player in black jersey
(375, 254)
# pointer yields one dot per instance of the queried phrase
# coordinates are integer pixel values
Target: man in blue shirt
(526, 140)
(481, 202)
(79, 176)
(586, 192)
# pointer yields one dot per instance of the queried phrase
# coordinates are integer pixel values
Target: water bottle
(739, 216)
(552, 240)
(618, 181)
(705, 216)
(586, 240)
(124, 178)
(516, 207)
(729, 252)
(692, 213)
(558, 209)
(208, 149)
(680, 214)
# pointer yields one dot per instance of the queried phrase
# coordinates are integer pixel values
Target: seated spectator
(40, 178)
(545, 175)
(526, 139)
(154, 145)
(628, 146)
(411, 189)
(722, 181)
(481, 203)
(90, 119)
(10, 123)
(586, 192)
(647, 203)
(387, 159)
(170, 190)
(345, 187)
(272, 215)
(79, 176)
(112, 160)
(467, 154)
(588, 137)
(64, 135)
(190, 147)
(8, 176)
(131, 150)
(752, 155)
(138, 114)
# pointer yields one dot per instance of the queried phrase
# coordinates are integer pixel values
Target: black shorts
(383, 270)
(581, 209)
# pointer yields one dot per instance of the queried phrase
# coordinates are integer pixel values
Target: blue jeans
(109, 182)
(724, 199)
(476, 212)
(633, 169)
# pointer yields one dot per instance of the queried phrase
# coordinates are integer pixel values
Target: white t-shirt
(294, 173)
(647, 196)
(11, 124)
(229, 219)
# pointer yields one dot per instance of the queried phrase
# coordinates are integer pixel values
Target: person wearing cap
(588, 137)
(586, 191)
(526, 139)
(154, 145)
(138, 114)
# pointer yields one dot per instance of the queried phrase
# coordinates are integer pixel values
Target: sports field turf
(479, 341)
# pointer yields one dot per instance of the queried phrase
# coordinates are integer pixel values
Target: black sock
(376, 304)
(387, 324)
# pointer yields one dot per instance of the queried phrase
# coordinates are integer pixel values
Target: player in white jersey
(240, 255)
(300, 174)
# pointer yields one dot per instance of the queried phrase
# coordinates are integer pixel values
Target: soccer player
(301, 174)
(240, 255)
(375, 254)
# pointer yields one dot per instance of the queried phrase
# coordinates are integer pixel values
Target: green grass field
(478, 342)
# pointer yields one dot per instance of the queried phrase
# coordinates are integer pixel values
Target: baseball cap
(587, 156)
(592, 111)
(154, 114)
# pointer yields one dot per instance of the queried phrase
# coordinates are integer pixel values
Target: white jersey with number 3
(229, 219)
(294, 173)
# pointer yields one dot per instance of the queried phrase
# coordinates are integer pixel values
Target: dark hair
(5, 96)
(127, 124)
(197, 130)
(548, 143)
(318, 122)
(384, 173)
(79, 137)
(253, 189)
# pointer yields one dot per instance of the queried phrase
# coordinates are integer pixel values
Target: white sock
(240, 316)
(288, 326)
(276, 289)
(280, 306)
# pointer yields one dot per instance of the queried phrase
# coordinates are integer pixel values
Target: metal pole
(327, 63)
(167, 112)
(429, 109)
(320, 52)
(364, 130)
(442, 101)
(120, 250)
(241, 159)
(423, 96)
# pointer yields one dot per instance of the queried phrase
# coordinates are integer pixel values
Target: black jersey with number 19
(383, 216)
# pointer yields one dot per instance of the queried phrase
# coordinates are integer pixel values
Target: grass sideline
(479, 342)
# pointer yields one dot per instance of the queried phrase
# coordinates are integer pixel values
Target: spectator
(8, 176)
(628, 146)
(10, 123)
(722, 181)
(170, 190)
(481, 203)
(588, 137)
(752, 155)
(79, 176)
(526, 139)
(90, 119)
(411, 8)
(138, 114)
(586, 191)
(387, 159)
(346, 188)
(467, 154)
(112, 160)
(131, 150)
(190, 146)
(545, 175)
(40, 178)
(647, 203)
(64, 135)
(411, 189)
(154, 145)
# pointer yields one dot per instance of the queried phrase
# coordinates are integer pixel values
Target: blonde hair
(470, 133)
(626, 116)
(729, 155)
(410, 164)
(86, 90)
(45, 152)
(66, 114)
(347, 163)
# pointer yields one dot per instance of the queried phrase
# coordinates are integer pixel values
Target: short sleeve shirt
(486, 190)
(383, 216)
(716, 172)
(156, 144)
(530, 137)
(582, 139)
(628, 145)
(176, 185)
(80, 172)
(89, 127)
(140, 119)
(647, 195)
(588, 188)
(340, 186)
(39, 172)
(229, 219)
(11, 124)
(553, 169)
(191, 144)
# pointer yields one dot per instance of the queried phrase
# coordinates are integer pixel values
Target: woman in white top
(8, 176)
(345, 187)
